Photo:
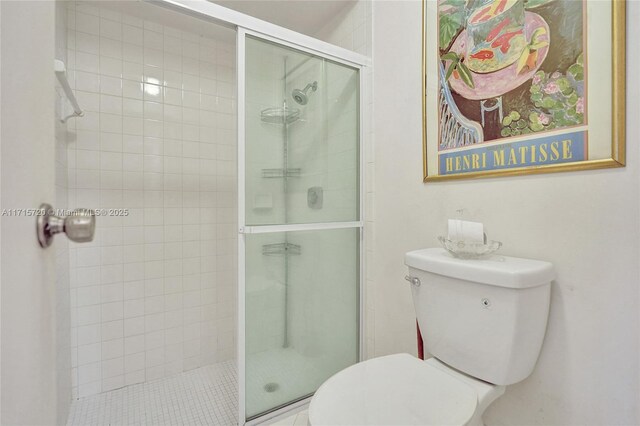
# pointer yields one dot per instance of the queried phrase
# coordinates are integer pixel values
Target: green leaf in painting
(536, 127)
(465, 75)
(573, 99)
(563, 83)
(450, 70)
(536, 97)
(577, 71)
(534, 118)
(539, 45)
(548, 102)
(522, 61)
(450, 56)
(449, 26)
(540, 31)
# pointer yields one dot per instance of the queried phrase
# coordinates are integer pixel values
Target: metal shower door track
(236, 20)
(268, 229)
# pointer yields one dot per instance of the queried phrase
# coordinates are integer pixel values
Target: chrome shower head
(300, 96)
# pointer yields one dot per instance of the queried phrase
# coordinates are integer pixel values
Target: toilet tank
(487, 317)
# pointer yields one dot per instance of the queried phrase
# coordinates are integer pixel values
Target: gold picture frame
(617, 158)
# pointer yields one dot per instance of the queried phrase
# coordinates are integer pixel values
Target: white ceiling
(160, 15)
(303, 16)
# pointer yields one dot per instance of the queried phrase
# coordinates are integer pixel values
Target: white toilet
(482, 320)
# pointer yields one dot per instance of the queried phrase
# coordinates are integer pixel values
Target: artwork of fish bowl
(512, 84)
(495, 35)
(511, 68)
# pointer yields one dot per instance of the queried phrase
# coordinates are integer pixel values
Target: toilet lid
(393, 390)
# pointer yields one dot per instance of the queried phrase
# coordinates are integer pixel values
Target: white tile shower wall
(353, 29)
(324, 147)
(321, 144)
(265, 200)
(324, 144)
(323, 303)
(154, 293)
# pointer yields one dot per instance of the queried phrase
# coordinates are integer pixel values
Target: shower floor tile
(207, 395)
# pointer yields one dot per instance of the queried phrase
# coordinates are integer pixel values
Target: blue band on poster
(542, 151)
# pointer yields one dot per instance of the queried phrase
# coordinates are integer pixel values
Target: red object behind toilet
(420, 342)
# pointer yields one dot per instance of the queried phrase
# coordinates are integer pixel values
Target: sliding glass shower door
(300, 222)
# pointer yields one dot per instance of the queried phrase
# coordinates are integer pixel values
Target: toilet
(483, 321)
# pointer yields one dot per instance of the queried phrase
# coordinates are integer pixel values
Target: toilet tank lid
(503, 271)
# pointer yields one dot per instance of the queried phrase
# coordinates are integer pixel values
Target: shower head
(300, 96)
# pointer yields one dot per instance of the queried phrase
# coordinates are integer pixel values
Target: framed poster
(515, 87)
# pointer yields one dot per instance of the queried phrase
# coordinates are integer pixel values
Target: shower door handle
(80, 225)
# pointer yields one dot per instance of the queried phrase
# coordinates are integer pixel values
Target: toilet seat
(393, 390)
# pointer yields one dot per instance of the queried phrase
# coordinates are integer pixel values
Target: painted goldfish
(494, 32)
(482, 15)
(494, 9)
(504, 41)
(483, 55)
(500, 7)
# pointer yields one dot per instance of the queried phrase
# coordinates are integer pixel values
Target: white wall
(154, 293)
(586, 223)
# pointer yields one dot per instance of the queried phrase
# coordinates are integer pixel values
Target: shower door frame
(245, 25)
(244, 230)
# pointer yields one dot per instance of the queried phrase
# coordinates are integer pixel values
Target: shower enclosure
(232, 286)
(299, 220)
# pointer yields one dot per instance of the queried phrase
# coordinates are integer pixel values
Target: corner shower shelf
(280, 115)
(280, 173)
(281, 249)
